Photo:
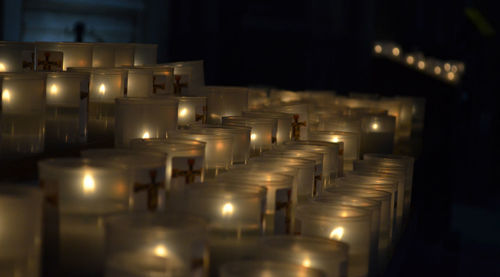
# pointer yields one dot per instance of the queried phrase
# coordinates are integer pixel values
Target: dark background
(319, 44)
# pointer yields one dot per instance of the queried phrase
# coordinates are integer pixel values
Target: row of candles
(203, 180)
(449, 71)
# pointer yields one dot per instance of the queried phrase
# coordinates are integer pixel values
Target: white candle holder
(20, 235)
(225, 101)
(268, 269)
(191, 110)
(188, 75)
(326, 255)
(155, 244)
(112, 55)
(145, 54)
(139, 82)
(66, 108)
(17, 56)
(257, 98)
(144, 118)
(22, 113)
(56, 56)
(263, 134)
(163, 79)
(78, 194)
(284, 121)
(343, 223)
(377, 134)
(147, 171)
(351, 144)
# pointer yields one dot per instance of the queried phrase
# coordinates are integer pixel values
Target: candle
(147, 171)
(185, 160)
(351, 142)
(16, 56)
(225, 101)
(145, 54)
(112, 55)
(139, 82)
(144, 118)
(284, 121)
(263, 134)
(377, 134)
(343, 223)
(401, 110)
(66, 111)
(417, 113)
(22, 113)
(340, 123)
(78, 194)
(191, 109)
(163, 79)
(329, 256)
(49, 55)
(20, 231)
(155, 244)
(279, 199)
(189, 75)
(280, 96)
(300, 123)
(218, 150)
(257, 98)
(267, 269)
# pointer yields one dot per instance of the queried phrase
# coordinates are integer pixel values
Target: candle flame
(306, 262)
(378, 49)
(183, 112)
(2, 67)
(102, 89)
(88, 184)
(6, 95)
(253, 136)
(337, 233)
(54, 90)
(145, 135)
(227, 209)
(161, 251)
(335, 139)
(375, 126)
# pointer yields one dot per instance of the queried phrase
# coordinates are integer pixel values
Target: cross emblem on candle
(29, 64)
(178, 85)
(153, 190)
(157, 85)
(47, 63)
(202, 117)
(296, 125)
(189, 174)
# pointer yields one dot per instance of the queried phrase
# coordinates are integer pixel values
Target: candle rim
(274, 268)
(315, 246)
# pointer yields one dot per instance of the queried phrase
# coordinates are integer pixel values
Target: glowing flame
(343, 214)
(88, 184)
(378, 49)
(54, 90)
(421, 64)
(227, 209)
(253, 136)
(2, 67)
(102, 89)
(337, 233)
(161, 251)
(183, 112)
(335, 139)
(375, 126)
(451, 76)
(306, 262)
(6, 95)
(410, 59)
(145, 135)
(437, 70)
(395, 51)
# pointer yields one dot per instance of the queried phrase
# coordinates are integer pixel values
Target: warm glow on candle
(146, 135)
(6, 95)
(343, 214)
(378, 49)
(410, 59)
(337, 233)
(447, 67)
(375, 126)
(335, 139)
(395, 51)
(54, 90)
(161, 251)
(421, 64)
(88, 184)
(437, 70)
(227, 209)
(253, 136)
(306, 262)
(2, 67)
(451, 76)
(102, 89)
(183, 112)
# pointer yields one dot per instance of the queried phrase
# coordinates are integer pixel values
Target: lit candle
(377, 134)
(267, 269)
(257, 98)
(191, 110)
(300, 123)
(163, 79)
(16, 56)
(263, 134)
(73, 54)
(189, 76)
(139, 82)
(401, 110)
(225, 101)
(81, 192)
(144, 118)
(351, 144)
(284, 121)
(20, 230)
(112, 54)
(145, 54)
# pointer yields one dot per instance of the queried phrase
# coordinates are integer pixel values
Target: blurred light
(227, 209)
(378, 49)
(88, 184)
(447, 67)
(410, 60)
(6, 95)
(102, 89)
(335, 139)
(451, 76)
(161, 251)
(375, 126)
(2, 67)
(421, 65)
(395, 51)
(253, 136)
(183, 112)
(337, 233)
(146, 135)
(437, 70)
(306, 262)
(54, 90)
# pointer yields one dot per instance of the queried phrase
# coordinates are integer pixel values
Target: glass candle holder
(16, 56)
(319, 177)
(267, 269)
(145, 54)
(218, 150)
(163, 79)
(147, 170)
(66, 108)
(139, 82)
(22, 114)
(78, 194)
(155, 244)
(284, 121)
(417, 113)
(185, 160)
(57, 56)
(279, 201)
(401, 110)
(263, 134)
(352, 193)
(343, 223)
(340, 124)
(20, 236)
(377, 134)
(257, 98)
(300, 123)
(188, 75)
(351, 144)
(144, 118)
(105, 86)
(372, 205)
(225, 101)
(322, 254)
(191, 110)
(280, 96)
(112, 55)
(241, 139)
